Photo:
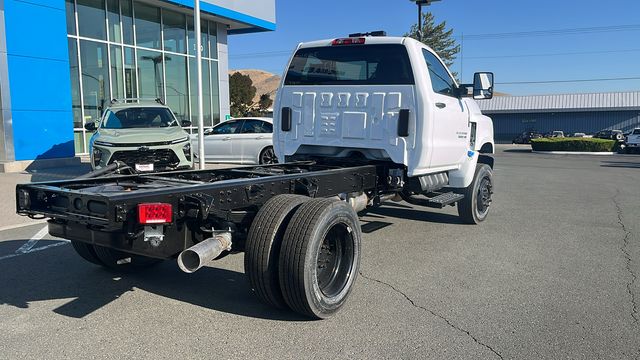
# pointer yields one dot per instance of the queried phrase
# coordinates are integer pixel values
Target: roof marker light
(348, 41)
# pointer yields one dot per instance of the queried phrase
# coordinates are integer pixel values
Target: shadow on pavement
(526, 150)
(621, 164)
(59, 273)
(408, 213)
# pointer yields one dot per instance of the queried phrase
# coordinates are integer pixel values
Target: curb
(574, 153)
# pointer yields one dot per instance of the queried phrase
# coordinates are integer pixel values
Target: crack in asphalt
(625, 251)
(475, 339)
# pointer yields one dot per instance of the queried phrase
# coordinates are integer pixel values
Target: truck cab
(382, 98)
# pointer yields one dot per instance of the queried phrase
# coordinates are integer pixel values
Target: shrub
(574, 144)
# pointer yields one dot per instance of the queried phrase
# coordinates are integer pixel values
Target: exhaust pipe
(203, 252)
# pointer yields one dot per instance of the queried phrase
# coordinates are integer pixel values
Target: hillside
(265, 82)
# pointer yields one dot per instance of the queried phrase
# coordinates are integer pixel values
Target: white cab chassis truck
(390, 99)
(359, 121)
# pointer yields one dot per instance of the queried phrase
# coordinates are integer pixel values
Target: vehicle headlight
(180, 140)
(97, 156)
(187, 151)
(102, 143)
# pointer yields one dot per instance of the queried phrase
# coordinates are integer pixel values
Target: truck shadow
(621, 164)
(59, 273)
(402, 211)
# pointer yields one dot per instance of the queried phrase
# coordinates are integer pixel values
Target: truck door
(450, 133)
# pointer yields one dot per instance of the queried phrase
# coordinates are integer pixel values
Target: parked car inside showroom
(143, 134)
(241, 140)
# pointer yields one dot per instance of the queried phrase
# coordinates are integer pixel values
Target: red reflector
(348, 41)
(154, 213)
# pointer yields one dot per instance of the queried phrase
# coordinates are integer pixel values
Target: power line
(553, 54)
(566, 81)
(493, 36)
(554, 32)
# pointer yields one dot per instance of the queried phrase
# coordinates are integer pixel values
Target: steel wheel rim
(483, 199)
(268, 156)
(335, 260)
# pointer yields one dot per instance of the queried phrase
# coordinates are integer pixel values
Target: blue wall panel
(508, 126)
(39, 76)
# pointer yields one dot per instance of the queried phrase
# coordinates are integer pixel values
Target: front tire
(474, 208)
(320, 257)
(268, 156)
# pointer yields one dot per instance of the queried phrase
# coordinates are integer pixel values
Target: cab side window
(441, 82)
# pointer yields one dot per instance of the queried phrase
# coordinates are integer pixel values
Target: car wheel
(268, 156)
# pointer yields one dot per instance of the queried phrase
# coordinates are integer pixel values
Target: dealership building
(62, 61)
(571, 113)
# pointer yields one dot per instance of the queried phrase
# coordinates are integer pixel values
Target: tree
(265, 102)
(241, 93)
(437, 37)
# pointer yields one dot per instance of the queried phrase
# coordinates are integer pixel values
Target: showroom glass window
(126, 49)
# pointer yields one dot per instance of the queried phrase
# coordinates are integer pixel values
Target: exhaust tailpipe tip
(195, 257)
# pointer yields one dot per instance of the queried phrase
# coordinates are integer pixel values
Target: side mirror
(208, 131)
(90, 126)
(186, 123)
(483, 86)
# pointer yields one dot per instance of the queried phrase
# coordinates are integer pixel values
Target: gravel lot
(553, 273)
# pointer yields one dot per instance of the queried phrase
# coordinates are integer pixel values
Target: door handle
(440, 105)
(260, 137)
(226, 138)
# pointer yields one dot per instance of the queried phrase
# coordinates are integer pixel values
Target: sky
(574, 39)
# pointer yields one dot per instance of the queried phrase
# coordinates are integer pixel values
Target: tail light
(348, 41)
(155, 213)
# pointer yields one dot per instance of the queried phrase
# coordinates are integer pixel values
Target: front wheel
(474, 208)
(268, 156)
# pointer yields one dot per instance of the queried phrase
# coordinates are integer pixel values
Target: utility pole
(198, 30)
(420, 3)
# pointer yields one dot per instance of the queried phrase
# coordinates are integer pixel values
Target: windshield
(381, 64)
(142, 117)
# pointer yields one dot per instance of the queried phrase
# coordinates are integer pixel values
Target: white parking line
(32, 242)
(28, 247)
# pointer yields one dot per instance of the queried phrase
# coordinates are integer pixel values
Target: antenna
(420, 3)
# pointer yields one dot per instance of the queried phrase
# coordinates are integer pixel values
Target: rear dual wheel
(318, 259)
(112, 259)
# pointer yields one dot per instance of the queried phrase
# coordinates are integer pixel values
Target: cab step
(444, 199)
(439, 201)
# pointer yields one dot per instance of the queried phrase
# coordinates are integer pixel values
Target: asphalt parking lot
(552, 274)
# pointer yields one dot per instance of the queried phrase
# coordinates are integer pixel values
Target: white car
(240, 140)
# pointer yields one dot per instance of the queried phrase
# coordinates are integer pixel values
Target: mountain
(265, 82)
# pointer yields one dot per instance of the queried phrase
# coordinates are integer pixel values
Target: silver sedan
(240, 140)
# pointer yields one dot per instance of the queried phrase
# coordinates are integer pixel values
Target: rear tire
(262, 250)
(86, 251)
(320, 257)
(123, 262)
(474, 208)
